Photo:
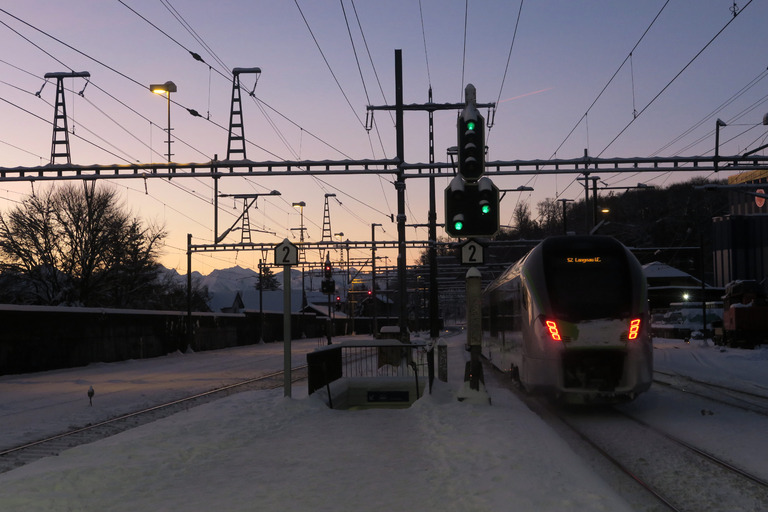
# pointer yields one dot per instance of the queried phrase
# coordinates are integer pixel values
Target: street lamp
(348, 283)
(718, 124)
(300, 205)
(565, 216)
(167, 88)
(521, 188)
(373, 276)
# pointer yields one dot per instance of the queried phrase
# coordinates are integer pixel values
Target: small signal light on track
(634, 329)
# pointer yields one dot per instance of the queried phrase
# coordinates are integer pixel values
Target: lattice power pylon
(60, 140)
(236, 141)
(327, 232)
(245, 233)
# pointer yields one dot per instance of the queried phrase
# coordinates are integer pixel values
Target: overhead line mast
(61, 132)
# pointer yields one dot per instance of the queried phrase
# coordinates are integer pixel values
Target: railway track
(653, 470)
(753, 401)
(679, 475)
(17, 456)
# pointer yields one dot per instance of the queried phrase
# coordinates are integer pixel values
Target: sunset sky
(577, 75)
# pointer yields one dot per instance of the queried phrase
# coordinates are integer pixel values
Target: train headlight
(634, 329)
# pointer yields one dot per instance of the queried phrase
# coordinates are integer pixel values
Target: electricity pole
(399, 108)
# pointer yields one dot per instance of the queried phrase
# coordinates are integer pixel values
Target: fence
(369, 373)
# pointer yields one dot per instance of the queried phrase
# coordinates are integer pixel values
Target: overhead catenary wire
(328, 65)
(424, 39)
(509, 54)
(174, 184)
(636, 115)
(194, 55)
(709, 117)
(176, 14)
(263, 104)
(610, 80)
(674, 78)
(464, 50)
(126, 76)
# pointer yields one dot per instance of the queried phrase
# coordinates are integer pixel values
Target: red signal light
(634, 329)
(554, 332)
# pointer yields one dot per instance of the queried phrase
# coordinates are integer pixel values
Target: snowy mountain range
(224, 284)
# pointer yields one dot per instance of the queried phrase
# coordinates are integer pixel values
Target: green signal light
(471, 125)
(485, 209)
(458, 225)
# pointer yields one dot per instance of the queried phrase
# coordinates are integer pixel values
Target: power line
(464, 51)
(193, 54)
(610, 80)
(22, 150)
(509, 55)
(653, 100)
(354, 52)
(375, 72)
(338, 84)
(714, 112)
(424, 38)
(176, 14)
(74, 134)
(261, 104)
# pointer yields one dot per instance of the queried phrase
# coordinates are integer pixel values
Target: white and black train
(570, 319)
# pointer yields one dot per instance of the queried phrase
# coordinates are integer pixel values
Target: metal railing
(377, 358)
(383, 359)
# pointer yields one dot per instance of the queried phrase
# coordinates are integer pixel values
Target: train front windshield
(588, 282)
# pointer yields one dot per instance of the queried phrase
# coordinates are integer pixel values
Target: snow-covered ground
(261, 451)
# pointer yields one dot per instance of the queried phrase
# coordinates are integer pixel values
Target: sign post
(287, 255)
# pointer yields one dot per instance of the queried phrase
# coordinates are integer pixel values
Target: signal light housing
(471, 134)
(471, 209)
(327, 268)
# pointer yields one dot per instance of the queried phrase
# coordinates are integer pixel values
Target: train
(571, 320)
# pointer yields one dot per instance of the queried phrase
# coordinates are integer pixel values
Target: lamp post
(565, 217)
(718, 124)
(346, 283)
(373, 276)
(167, 88)
(521, 188)
(300, 205)
(586, 179)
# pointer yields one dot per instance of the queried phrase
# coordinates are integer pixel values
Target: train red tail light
(554, 332)
(634, 329)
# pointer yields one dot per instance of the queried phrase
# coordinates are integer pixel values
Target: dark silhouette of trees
(667, 224)
(267, 281)
(76, 245)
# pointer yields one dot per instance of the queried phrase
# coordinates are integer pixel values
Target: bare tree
(78, 246)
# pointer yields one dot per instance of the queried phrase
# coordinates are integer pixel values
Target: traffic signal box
(471, 135)
(328, 285)
(471, 209)
(471, 201)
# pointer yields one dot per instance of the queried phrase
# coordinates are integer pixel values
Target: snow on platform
(261, 451)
